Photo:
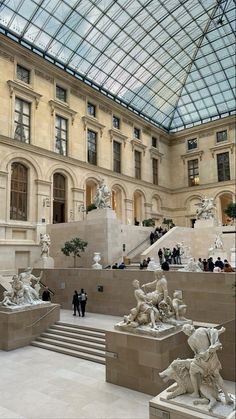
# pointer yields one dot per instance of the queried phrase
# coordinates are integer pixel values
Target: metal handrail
(140, 244)
(42, 317)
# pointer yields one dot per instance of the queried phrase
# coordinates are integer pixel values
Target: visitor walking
(46, 295)
(76, 303)
(83, 300)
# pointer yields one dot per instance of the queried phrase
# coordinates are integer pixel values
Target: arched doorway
(224, 201)
(116, 202)
(137, 208)
(91, 187)
(59, 198)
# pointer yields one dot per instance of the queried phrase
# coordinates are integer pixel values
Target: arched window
(19, 186)
(59, 198)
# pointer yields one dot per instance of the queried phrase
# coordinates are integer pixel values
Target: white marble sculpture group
(206, 209)
(45, 243)
(200, 375)
(102, 198)
(23, 292)
(155, 309)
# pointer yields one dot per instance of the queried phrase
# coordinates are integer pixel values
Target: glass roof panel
(173, 62)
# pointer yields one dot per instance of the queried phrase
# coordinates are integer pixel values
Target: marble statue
(22, 291)
(191, 266)
(155, 309)
(45, 243)
(103, 196)
(153, 266)
(206, 210)
(200, 375)
(218, 242)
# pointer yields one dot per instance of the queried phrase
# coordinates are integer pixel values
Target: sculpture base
(211, 222)
(164, 329)
(45, 263)
(19, 326)
(182, 407)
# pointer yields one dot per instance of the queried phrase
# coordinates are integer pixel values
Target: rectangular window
(61, 135)
(193, 173)
(223, 167)
(116, 122)
(137, 133)
(192, 144)
(23, 74)
(22, 121)
(91, 109)
(155, 171)
(221, 136)
(154, 142)
(92, 147)
(61, 93)
(137, 164)
(116, 157)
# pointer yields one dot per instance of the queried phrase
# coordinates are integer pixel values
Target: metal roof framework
(172, 62)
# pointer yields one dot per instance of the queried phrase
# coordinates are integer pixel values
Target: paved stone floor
(40, 384)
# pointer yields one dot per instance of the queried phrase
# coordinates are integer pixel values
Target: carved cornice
(90, 121)
(44, 76)
(115, 134)
(5, 55)
(15, 86)
(192, 154)
(105, 109)
(222, 147)
(128, 122)
(58, 106)
(155, 153)
(137, 144)
(76, 93)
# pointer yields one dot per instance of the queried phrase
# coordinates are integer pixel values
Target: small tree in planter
(74, 247)
(169, 223)
(148, 222)
(231, 210)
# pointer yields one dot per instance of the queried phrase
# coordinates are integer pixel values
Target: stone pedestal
(135, 361)
(182, 407)
(19, 327)
(211, 222)
(45, 263)
(233, 257)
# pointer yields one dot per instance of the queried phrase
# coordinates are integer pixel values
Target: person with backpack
(82, 299)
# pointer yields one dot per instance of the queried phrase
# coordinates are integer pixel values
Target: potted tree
(74, 247)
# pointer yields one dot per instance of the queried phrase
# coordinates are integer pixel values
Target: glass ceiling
(169, 61)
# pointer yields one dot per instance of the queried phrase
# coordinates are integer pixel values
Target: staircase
(78, 341)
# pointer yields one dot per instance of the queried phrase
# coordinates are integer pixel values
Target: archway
(224, 201)
(116, 202)
(91, 187)
(137, 208)
(156, 209)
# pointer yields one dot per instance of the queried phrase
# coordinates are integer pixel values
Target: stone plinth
(45, 263)
(101, 213)
(19, 327)
(182, 407)
(233, 257)
(211, 222)
(135, 361)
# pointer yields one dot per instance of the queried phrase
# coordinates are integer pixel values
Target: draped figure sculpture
(102, 197)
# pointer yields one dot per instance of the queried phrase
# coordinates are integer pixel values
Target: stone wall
(209, 296)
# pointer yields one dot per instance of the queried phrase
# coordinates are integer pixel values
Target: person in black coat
(76, 303)
(210, 264)
(219, 263)
(46, 295)
(83, 300)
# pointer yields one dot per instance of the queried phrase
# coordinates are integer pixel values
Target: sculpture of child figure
(178, 305)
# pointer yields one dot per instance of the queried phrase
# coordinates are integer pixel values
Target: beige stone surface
(19, 328)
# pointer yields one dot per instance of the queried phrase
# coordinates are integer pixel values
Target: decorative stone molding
(90, 121)
(191, 154)
(155, 153)
(147, 205)
(222, 147)
(58, 106)
(206, 134)
(76, 93)
(147, 131)
(105, 109)
(7, 56)
(138, 145)
(115, 134)
(44, 76)
(15, 87)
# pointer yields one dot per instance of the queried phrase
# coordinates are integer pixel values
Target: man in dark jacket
(82, 299)
(76, 303)
(46, 295)
(219, 263)
(210, 264)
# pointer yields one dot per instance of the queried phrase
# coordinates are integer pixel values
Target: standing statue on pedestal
(45, 243)
(199, 376)
(218, 242)
(103, 196)
(206, 210)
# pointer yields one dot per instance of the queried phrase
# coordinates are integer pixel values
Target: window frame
(62, 89)
(137, 133)
(114, 117)
(91, 106)
(189, 148)
(155, 171)
(21, 193)
(117, 161)
(138, 167)
(61, 118)
(92, 156)
(195, 174)
(219, 141)
(226, 176)
(27, 70)
(22, 115)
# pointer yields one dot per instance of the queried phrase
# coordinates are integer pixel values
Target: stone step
(74, 340)
(71, 352)
(76, 329)
(78, 326)
(76, 334)
(72, 346)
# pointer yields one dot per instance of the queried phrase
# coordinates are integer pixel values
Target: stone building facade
(59, 138)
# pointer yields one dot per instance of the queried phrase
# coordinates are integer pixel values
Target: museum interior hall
(117, 209)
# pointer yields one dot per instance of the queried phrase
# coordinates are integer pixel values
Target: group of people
(207, 265)
(118, 265)
(157, 234)
(79, 302)
(171, 256)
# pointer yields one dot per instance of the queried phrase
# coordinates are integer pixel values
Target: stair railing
(40, 318)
